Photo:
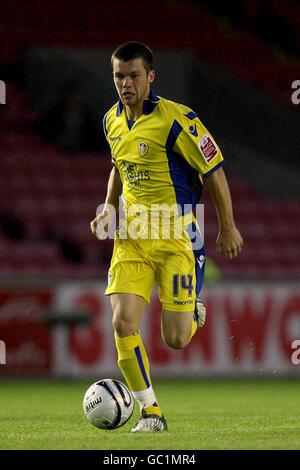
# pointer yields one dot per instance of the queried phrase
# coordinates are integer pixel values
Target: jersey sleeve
(196, 144)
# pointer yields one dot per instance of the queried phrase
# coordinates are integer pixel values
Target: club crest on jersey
(207, 148)
(143, 148)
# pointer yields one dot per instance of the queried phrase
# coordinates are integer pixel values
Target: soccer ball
(108, 404)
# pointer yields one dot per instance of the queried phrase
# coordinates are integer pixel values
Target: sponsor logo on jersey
(193, 130)
(115, 139)
(143, 148)
(134, 176)
(207, 148)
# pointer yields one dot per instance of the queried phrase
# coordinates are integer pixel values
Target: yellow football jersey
(163, 156)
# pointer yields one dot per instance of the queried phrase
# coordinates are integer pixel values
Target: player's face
(132, 81)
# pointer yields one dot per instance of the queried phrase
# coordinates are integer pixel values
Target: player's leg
(127, 313)
(132, 357)
(133, 360)
(180, 278)
(177, 328)
(131, 280)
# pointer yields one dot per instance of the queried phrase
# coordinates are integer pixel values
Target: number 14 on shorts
(183, 281)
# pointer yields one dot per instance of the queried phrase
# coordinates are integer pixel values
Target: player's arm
(114, 190)
(229, 241)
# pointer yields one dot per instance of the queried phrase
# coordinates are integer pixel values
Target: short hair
(134, 50)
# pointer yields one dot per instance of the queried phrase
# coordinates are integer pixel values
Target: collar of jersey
(148, 106)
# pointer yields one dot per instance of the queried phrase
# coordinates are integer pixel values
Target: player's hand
(101, 223)
(229, 242)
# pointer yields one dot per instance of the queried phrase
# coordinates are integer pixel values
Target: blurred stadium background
(234, 63)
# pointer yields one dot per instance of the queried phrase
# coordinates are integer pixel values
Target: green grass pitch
(201, 414)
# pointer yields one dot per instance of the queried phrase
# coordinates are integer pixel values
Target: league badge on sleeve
(207, 148)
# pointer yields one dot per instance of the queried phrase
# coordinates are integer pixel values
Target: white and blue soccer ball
(108, 404)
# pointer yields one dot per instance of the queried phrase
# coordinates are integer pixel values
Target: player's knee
(123, 326)
(176, 341)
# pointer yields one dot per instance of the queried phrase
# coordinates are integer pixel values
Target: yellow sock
(134, 364)
(133, 361)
